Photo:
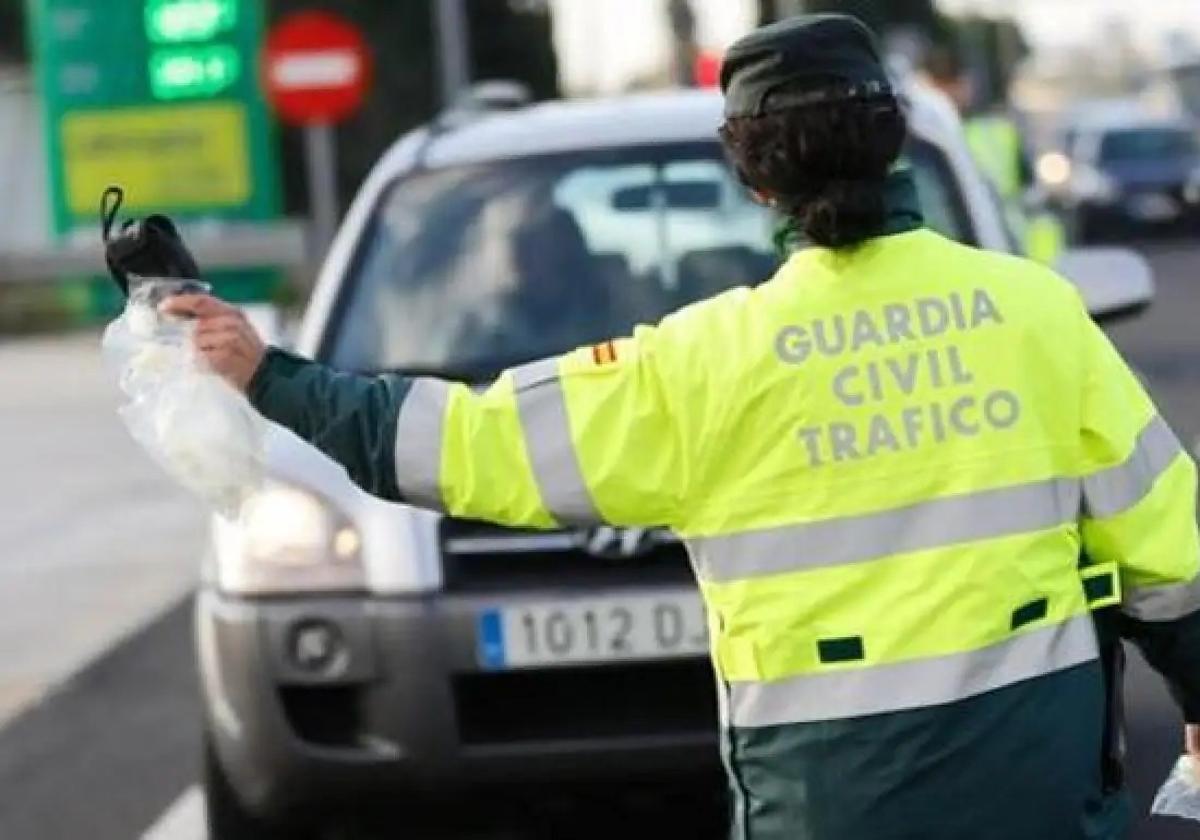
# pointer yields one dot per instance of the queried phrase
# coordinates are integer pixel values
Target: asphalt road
(97, 554)
(91, 534)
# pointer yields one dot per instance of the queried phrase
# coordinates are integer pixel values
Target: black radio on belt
(149, 247)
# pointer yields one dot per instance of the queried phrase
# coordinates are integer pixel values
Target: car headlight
(290, 540)
(1090, 184)
(1054, 170)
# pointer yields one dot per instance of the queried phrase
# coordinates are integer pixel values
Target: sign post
(453, 50)
(320, 155)
(316, 70)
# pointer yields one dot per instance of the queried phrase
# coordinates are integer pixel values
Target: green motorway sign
(161, 97)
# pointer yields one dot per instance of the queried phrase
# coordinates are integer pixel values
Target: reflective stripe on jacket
(919, 411)
(886, 463)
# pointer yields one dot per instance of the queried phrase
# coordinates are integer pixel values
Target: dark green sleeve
(350, 418)
(1173, 649)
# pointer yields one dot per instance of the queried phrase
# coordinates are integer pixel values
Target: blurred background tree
(12, 31)
(885, 15)
(508, 40)
(512, 39)
(991, 48)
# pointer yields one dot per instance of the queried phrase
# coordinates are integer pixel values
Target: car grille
(483, 558)
(672, 698)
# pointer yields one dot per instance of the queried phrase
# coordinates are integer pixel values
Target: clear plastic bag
(200, 429)
(1180, 794)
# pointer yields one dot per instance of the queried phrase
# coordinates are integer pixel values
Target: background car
(358, 654)
(1127, 171)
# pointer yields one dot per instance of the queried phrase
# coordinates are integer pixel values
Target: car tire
(227, 818)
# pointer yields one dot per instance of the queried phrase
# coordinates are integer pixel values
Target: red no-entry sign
(316, 68)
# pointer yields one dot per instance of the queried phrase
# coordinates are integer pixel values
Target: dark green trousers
(1019, 763)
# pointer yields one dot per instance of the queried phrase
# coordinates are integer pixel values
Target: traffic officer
(886, 463)
(999, 149)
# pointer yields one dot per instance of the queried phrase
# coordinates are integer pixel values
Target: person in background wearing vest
(999, 149)
(886, 462)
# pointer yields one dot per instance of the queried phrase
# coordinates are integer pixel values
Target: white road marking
(184, 820)
(94, 539)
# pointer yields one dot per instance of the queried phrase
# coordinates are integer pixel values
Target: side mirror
(1114, 282)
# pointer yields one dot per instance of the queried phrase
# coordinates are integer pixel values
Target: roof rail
(483, 98)
(495, 95)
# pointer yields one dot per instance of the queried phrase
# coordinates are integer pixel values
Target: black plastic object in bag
(150, 247)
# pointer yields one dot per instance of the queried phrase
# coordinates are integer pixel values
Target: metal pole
(320, 152)
(682, 19)
(453, 48)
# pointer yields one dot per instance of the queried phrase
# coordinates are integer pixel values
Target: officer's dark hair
(824, 165)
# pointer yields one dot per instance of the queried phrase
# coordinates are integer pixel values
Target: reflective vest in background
(995, 143)
(1045, 237)
(886, 464)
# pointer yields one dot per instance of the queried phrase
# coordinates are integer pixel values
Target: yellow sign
(165, 158)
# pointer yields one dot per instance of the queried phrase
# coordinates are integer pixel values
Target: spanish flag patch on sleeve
(605, 353)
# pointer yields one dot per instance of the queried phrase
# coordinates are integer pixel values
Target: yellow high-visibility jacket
(905, 473)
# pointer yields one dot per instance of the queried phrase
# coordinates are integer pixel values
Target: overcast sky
(1058, 22)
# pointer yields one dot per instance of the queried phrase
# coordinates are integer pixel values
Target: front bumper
(402, 709)
(1149, 206)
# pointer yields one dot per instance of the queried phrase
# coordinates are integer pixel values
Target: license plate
(592, 630)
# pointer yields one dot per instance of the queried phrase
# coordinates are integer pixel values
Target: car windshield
(1146, 144)
(465, 271)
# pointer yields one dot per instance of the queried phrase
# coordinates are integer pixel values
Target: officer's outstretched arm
(586, 438)
(350, 418)
(1140, 512)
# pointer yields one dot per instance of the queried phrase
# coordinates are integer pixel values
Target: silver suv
(355, 651)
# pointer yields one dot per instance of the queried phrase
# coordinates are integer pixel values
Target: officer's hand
(225, 339)
(1191, 740)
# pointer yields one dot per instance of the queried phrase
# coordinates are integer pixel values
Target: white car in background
(358, 654)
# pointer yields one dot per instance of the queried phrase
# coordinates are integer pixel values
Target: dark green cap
(803, 60)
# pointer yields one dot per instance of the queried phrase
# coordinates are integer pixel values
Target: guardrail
(215, 247)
